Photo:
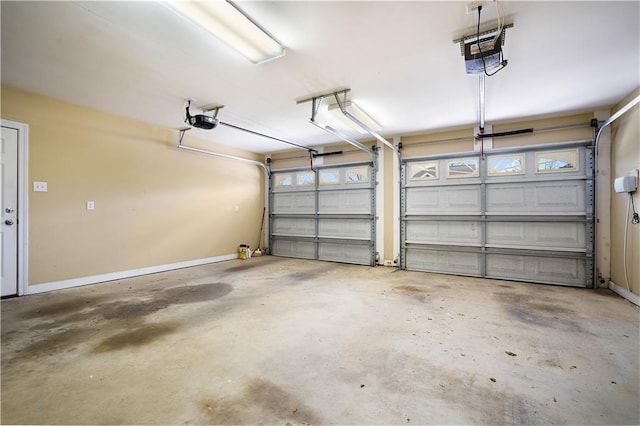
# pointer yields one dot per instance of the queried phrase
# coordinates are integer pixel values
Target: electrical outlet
(91, 205)
(39, 186)
(472, 7)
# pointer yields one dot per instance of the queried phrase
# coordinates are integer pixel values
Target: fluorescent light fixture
(357, 112)
(344, 137)
(230, 24)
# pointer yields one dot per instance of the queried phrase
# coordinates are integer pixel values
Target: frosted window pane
(506, 165)
(284, 180)
(329, 177)
(357, 175)
(557, 161)
(423, 171)
(305, 179)
(462, 168)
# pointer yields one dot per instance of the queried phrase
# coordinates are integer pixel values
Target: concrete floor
(283, 341)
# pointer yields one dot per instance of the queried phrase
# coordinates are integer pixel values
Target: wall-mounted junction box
(627, 183)
(472, 7)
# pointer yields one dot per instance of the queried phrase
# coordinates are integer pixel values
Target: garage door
(326, 214)
(523, 214)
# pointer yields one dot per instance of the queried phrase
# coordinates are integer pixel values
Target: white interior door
(9, 224)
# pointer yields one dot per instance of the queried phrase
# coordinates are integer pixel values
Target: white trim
(264, 237)
(603, 198)
(379, 197)
(94, 279)
(23, 202)
(397, 184)
(631, 297)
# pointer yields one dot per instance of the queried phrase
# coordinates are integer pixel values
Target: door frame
(23, 202)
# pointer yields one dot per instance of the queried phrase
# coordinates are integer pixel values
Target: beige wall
(298, 158)
(390, 192)
(573, 127)
(154, 204)
(625, 156)
(434, 143)
(547, 130)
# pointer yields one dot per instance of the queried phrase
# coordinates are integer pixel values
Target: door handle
(8, 222)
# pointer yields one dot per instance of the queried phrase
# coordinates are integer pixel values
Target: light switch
(91, 205)
(40, 186)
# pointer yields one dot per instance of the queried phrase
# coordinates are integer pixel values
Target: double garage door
(523, 214)
(324, 214)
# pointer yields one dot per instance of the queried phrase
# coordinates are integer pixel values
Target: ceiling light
(226, 21)
(357, 112)
(345, 138)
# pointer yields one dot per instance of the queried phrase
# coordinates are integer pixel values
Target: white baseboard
(94, 279)
(631, 297)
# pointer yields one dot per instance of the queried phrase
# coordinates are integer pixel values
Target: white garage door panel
(293, 248)
(324, 214)
(438, 232)
(294, 203)
(294, 226)
(544, 269)
(461, 263)
(346, 253)
(443, 200)
(348, 201)
(569, 235)
(345, 228)
(520, 213)
(537, 197)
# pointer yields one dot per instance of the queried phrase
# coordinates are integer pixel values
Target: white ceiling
(141, 60)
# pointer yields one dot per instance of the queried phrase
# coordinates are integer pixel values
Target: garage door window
(557, 161)
(423, 171)
(462, 168)
(305, 179)
(330, 177)
(357, 175)
(284, 180)
(501, 165)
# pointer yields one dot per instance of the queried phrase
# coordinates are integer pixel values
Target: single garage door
(324, 214)
(524, 214)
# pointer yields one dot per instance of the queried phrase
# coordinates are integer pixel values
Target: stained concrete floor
(281, 341)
